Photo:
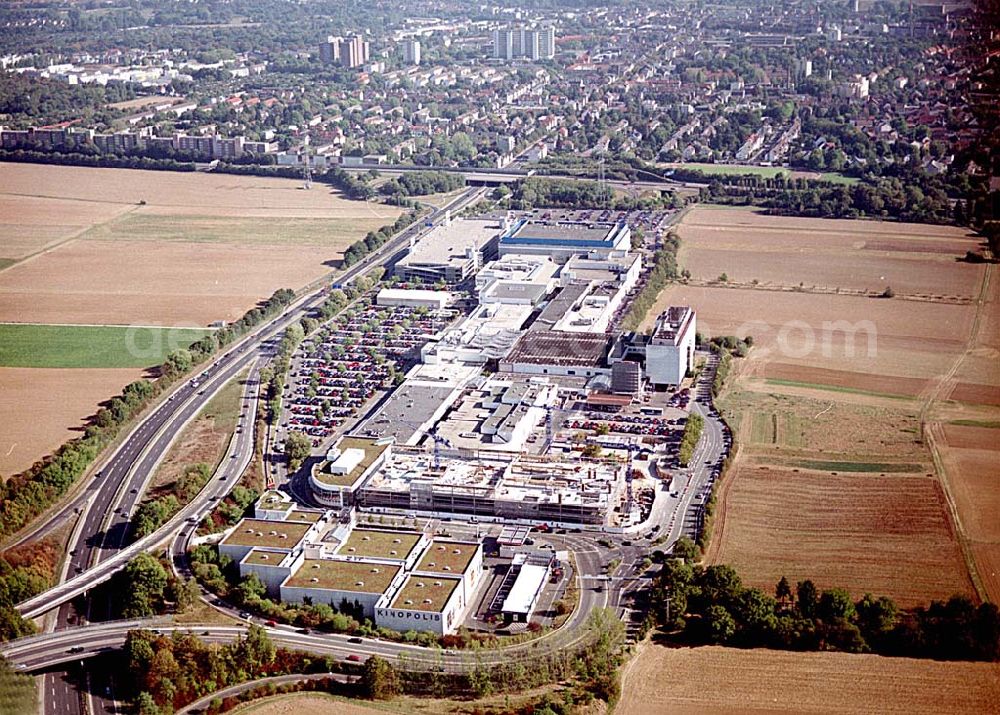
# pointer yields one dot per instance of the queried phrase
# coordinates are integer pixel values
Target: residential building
(329, 51)
(411, 52)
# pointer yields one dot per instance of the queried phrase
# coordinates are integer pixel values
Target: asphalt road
(200, 705)
(706, 462)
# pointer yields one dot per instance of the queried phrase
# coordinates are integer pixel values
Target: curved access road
(276, 680)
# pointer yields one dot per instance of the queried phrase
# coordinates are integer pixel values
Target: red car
(354, 658)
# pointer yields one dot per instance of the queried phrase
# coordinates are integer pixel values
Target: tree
(250, 589)
(720, 624)
(144, 581)
(835, 604)
(686, 549)
(145, 705)
(297, 448)
(888, 292)
(783, 591)
(876, 617)
(379, 680)
(256, 651)
(806, 598)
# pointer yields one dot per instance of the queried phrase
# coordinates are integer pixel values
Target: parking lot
(349, 361)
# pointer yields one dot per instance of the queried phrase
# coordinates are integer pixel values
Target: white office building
(670, 351)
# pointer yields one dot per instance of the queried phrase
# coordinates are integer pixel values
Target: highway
(108, 502)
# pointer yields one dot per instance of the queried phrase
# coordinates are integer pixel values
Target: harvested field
(152, 283)
(793, 425)
(306, 704)
(323, 704)
(867, 336)
(43, 408)
(971, 456)
(30, 224)
(832, 254)
(160, 247)
(867, 533)
(184, 192)
(727, 680)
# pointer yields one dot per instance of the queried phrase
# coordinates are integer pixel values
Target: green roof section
(447, 557)
(265, 557)
(378, 544)
(357, 576)
(261, 532)
(425, 593)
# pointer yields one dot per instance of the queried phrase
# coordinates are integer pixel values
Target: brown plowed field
(971, 458)
(887, 535)
(987, 558)
(692, 681)
(41, 408)
(976, 394)
(853, 255)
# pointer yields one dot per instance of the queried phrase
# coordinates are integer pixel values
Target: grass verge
(17, 691)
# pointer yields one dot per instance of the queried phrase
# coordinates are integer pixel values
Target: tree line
(422, 183)
(664, 271)
(171, 671)
(689, 440)
(102, 161)
(700, 605)
(376, 239)
(892, 198)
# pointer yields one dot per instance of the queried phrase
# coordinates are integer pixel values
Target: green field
(326, 232)
(838, 178)
(85, 346)
(991, 424)
(768, 172)
(835, 388)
